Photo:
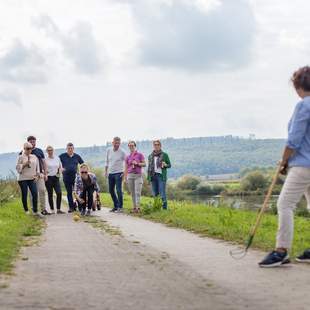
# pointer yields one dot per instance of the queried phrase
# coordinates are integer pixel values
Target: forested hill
(199, 156)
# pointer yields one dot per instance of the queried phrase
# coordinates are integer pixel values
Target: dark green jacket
(166, 159)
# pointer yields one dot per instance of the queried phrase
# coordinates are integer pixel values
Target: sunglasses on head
(84, 172)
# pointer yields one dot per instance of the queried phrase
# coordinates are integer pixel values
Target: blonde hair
(27, 145)
(84, 166)
(49, 147)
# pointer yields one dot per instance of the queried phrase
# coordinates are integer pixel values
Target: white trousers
(296, 185)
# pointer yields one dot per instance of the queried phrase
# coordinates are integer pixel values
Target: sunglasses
(28, 148)
(84, 172)
(156, 144)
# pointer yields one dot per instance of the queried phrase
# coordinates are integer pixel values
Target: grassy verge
(221, 223)
(15, 225)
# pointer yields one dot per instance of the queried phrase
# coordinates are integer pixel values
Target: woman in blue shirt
(296, 163)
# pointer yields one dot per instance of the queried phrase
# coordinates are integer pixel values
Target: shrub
(254, 181)
(188, 182)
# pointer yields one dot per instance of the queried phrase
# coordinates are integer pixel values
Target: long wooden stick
(265, 204)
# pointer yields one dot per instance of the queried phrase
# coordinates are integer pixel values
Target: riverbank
(219, 222)
(15, 226)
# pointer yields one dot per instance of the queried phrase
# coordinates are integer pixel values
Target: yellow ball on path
(76, 218)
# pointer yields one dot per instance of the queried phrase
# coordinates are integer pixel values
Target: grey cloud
(181, 35)
(22, 64)
(79, 44)
(10, 96)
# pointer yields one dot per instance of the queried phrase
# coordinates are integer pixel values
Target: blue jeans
(69, 181)
(115, 180)
(159, 188)
(31, 184)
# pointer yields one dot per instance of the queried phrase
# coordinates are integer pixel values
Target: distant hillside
(198, 156)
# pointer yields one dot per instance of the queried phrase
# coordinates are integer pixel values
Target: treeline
(196, 156)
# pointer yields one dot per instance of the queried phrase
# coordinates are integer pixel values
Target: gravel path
(76, 266)
(244, 284)
(151, 266)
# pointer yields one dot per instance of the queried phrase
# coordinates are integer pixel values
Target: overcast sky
(85, 71)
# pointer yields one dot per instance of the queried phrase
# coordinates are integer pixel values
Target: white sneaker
(52, 212)
(27, 212)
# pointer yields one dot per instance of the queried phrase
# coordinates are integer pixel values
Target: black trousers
(52, 184)
(88, 196)
(31, 184)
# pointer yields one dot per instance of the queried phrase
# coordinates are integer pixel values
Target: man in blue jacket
(70, 162)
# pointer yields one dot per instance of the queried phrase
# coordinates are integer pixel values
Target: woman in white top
(54, 169)
(28, 171)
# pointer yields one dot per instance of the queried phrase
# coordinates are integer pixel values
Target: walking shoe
(119, 210)
(27, 212)
(304, 258)
(38, 215)
(60, 212)
(70, 210)
(83, 212)
(45, 212)
(113, 210)
(52, 211)
(88, 213)
(274, 259)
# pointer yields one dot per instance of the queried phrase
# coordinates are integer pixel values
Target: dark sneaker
(45, 212)
(83, 212)
(88, 213)
(60, 212)
(71, 210)
(113, 210)
(274, 259)
(304, 258)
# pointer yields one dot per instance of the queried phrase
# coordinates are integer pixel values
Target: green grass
(15, 225)
(221, 223)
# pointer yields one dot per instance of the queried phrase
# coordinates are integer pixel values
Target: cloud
(10, 96)
(22, 64)
(78, 44)
(182, 35)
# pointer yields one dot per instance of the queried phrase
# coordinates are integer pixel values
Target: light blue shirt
(299, 134)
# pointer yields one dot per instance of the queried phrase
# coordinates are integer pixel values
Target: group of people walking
(39, 172)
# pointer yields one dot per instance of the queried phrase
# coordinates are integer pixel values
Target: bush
(188, 182)
(254, 181)
(101, 179)
(208, 189)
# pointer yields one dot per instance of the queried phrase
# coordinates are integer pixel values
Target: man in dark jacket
(70, 162)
